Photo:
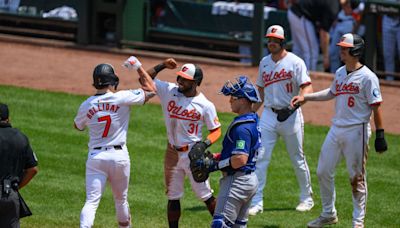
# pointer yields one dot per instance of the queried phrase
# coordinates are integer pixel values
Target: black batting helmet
(192, 72)
(354, 42)
(104, 75)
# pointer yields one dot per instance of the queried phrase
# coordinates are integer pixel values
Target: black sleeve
(30, 157)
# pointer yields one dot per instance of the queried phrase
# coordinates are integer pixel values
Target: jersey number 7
(108, 124)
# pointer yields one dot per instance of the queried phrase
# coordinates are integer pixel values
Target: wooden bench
(36, 26)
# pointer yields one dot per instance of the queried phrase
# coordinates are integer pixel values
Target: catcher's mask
(242, 88)
(354, 42)
(104, 75)
(276, 31)
(191, 72)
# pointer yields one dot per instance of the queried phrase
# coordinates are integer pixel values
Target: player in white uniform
(357, 93)
(281, 76)
(106, 114)
(186, 111)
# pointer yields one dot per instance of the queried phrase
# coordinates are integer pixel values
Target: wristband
(224, 163)
(207, 142)
(159, 67)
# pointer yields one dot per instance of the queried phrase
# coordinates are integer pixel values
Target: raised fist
(132, 63)
(170, 63)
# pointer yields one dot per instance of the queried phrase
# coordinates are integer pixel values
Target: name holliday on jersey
(101, 107)
(179, 112)
(343, 88)
(272, 77)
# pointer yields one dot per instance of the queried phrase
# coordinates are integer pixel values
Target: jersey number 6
(350, 102)
(108, 123)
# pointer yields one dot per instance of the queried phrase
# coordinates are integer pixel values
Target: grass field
(56, 195)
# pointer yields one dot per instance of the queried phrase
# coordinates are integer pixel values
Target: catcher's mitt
(197, 156)
(284, 114)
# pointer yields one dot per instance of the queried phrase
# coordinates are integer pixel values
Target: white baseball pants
(114, 166)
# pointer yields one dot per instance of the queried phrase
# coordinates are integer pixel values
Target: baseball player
(357, 93)
(186, 111)
(238, 157)
(390, 41)
(106, 114)
(281, 76)
(307, 18)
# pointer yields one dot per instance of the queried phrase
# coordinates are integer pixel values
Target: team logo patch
(184, 69)
(376, 92)
(273, 30)
(240, 144)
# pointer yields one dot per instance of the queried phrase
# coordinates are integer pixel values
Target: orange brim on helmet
(183, 75)
(344, 44)
(274, 35)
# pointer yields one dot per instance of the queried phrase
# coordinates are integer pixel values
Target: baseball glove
(197, 156)
(284, 114)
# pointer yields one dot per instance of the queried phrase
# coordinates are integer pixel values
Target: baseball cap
(275, 31)
(3, 111)
(347, 40)
(190, 72)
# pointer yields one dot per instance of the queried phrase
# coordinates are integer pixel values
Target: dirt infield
(70, 70)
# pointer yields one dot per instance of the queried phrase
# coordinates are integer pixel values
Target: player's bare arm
(239, 160)
(28, 175)
(169, 63)
(306, 89)
(257, 106)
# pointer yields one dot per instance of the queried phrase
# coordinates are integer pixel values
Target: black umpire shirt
(15, 155)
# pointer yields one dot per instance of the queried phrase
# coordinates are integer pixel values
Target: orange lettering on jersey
(270, 78)
(343, 88)
(176, 112)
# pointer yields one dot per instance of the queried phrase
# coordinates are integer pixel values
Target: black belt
(115, 147)
(276, 110)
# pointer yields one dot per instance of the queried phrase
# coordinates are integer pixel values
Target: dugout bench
(30, 22)
(187, 27)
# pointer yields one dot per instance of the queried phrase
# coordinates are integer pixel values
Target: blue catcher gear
(243, 88)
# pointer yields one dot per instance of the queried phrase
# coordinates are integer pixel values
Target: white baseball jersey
(281, 80)
(107, 116)
(185, 116)
(355, 93)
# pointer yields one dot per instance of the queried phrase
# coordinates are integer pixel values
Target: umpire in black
(18, 165)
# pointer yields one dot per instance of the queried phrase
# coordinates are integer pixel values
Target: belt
(118, 147)
(181, 149)
(276, 110)
(224, 173)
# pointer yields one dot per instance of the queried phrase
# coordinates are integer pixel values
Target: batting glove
(132, 63)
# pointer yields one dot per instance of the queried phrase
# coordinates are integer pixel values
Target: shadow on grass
(280, 209)
(201, 208)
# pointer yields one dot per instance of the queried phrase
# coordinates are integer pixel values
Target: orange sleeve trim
(376, 104)
(214, 135)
